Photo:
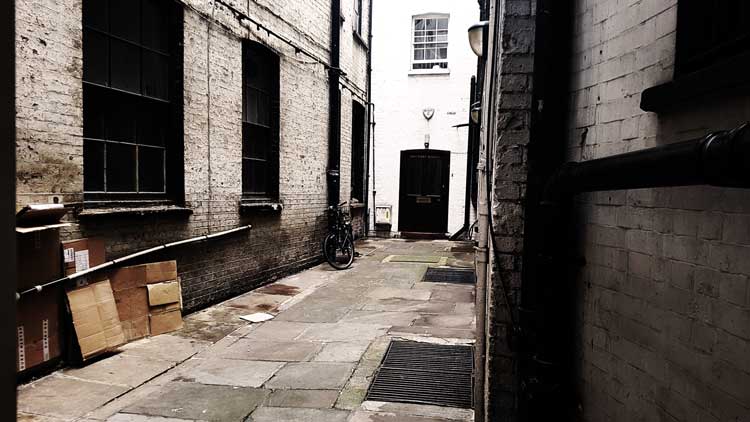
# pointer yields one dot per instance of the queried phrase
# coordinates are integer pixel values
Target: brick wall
(664, 306)
(49, 147)
(510, 135)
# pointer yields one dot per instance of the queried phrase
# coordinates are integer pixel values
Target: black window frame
(149, 117)
(265, 155)
(358, 153)
(710, 32)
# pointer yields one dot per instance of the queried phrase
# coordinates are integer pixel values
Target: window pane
(255, 141)
(121, 111)
(418, 54)
(155, 75)
(254, 176)
(94, 118)
(153, 123)
(418, 24)
(429, 54)
(95, 57)
(430, 24)
(95, 14)
(125, 20)
(443, 53)
(125, 66)
(120, 168)
(150, 169)
(155, 29)
(442, 23)
(93, 166)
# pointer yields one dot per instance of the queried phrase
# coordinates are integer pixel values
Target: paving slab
(381, 318)
(279, 351)
(394, 293)
(63, 398)
(312, 376)
(165, 347)
(257, 302)
(281, 414)
(322, 399)
(126, 417)
(403, 305)
(316, 310)
(278, 330)
(365, 416)
(185, 400)
(342, 332)
(420, 410)
(341, 352)
(239, 373)
(463, 322)
(438, 332)
(122, 369)
(25, 417)
(453, 295)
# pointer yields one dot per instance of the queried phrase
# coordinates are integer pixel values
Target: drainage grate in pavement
(415, 259)
(449, 275)
(424, 373)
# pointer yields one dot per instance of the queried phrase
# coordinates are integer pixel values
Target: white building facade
(422, 70)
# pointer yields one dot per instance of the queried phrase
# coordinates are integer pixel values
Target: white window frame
(413, 42)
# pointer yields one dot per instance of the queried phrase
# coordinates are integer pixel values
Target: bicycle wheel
(339, 256)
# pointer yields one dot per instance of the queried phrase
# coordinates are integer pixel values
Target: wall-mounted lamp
(427, 141)
(477, 36)
(476, 109)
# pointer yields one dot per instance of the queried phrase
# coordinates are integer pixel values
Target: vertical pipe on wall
(370, 109)
(8, 258)
(334, 108)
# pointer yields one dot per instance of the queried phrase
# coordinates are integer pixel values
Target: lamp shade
(476, 36)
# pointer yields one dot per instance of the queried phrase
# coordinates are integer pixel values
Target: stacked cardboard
(95, 319)
(148, 298)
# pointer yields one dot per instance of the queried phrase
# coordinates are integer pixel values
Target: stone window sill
(124, 210)
(360, 40)
(728, 77)
(260, 205)
(427, 72)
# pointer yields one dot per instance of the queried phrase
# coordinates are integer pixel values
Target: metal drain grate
(424, 373)
(449, 275)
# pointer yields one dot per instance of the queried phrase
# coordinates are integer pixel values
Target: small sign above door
(424, 200)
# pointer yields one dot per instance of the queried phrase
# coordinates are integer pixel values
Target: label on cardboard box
(69, 254)
(82, 260)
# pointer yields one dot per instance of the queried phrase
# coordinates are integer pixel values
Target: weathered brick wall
(49, 146)
(665, 306)
(510, 136)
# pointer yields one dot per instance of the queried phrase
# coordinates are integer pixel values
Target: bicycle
(338, 245)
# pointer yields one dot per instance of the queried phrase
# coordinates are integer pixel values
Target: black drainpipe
(370, 109)
(718, 159)
(334, 108)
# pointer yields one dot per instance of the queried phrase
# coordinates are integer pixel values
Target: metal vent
(449, 275)
(424, 373)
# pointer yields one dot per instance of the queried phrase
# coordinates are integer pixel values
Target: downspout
(370, 110)
(334, 108)
(718, 159)
(483, 204)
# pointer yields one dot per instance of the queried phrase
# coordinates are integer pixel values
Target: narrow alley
(313, 361)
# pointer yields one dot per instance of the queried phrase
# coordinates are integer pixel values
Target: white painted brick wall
(666, 302)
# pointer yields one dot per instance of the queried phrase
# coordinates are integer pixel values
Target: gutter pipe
(370, 120)
(40, 287)
(334, 108)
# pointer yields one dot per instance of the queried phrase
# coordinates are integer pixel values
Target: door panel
(423, 198)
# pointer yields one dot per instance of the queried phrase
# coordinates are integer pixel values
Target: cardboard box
(95, 319)
(38, 257)
(164, 322)
(82, 254)
(132, 294)
(38, 328)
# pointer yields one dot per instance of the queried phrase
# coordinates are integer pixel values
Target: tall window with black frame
(131, 99)
(260, 123)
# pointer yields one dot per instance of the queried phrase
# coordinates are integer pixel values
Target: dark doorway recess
(423, 192)
(424, 373)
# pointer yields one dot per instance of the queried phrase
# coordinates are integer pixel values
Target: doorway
(423, 191)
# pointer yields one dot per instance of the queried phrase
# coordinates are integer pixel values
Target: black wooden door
(423, 195)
